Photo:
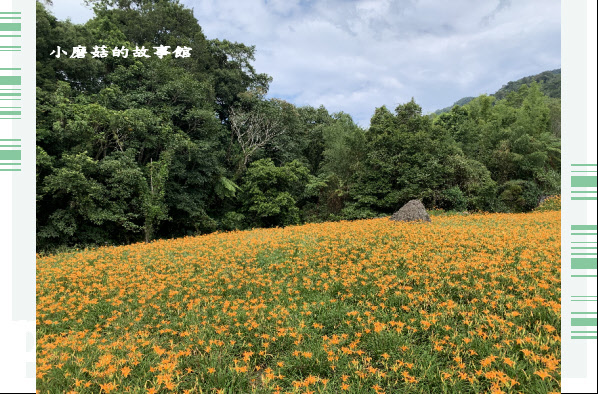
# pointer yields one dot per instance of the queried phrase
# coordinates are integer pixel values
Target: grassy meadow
(466, 304)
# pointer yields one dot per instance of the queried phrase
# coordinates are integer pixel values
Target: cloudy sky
(354, 56)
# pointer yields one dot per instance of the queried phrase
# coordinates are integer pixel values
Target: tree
(155, 209)
(93, 201)
(257, 127)
(409, 157)
(270, 194)
(343, 152)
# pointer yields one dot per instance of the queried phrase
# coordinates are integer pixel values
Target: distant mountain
(460, 102)
(550, 85)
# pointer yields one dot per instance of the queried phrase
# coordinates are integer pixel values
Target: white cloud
(284, 7)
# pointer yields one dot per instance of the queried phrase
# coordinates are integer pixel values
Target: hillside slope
(364, 306)
(550, 85)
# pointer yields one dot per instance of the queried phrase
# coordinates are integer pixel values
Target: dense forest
(134, 149)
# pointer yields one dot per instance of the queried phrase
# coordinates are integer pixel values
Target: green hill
(550, 85)
(313, 307)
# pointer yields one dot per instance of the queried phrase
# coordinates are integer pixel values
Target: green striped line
(583, 181)
(10, 112)
(11, 94)
(584, 247)
(10, 80)
(9, 69)
(10, 35)
(10, 155)
(10, 17)
(583, 264)
(584, 321)
(584, 227)
(583, 198)
(585, 298)
(10, 146)
(11, 140)
(10, 169)
(583, 332)
(10, 164)
(584, 165)
(583, 313)
(10, 12)
(10, 27)
(582, 191)
(584, 337)
(584, 233)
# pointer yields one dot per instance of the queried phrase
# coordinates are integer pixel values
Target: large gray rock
(413, 211)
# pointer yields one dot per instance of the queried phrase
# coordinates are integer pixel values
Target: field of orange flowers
(466, 304)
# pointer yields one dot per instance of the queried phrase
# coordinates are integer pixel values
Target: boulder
(413, 211)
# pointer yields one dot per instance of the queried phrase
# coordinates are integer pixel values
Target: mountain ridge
(549, 80)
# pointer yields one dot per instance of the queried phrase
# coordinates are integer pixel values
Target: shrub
(519, 196)
(453, 199)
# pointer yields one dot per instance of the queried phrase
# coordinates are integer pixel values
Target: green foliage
(515, 139)
(409, 157)
(133, 149)
(453, 198)
(271, 194)
(457, 103)
(519, 196)
(353, 211)
(233, 221)
(552, 203)
(549, 81)
(163, 115)
(264, 128)
(93, 201)
(155, 209)
(474, 182)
